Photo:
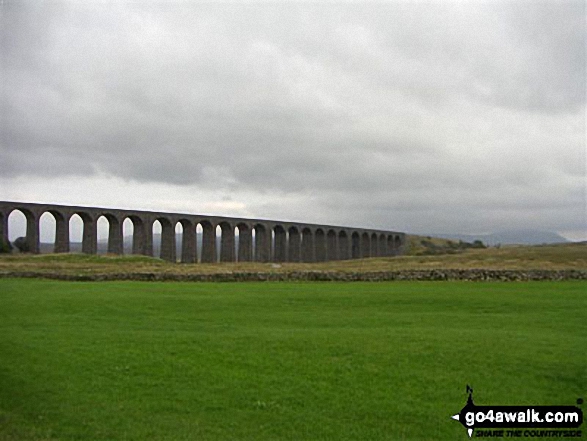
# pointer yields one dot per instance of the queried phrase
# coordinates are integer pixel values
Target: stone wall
(470, 275)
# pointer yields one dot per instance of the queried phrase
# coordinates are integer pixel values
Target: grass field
(280, 361)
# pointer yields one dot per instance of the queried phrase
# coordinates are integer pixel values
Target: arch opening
(47, 232)
(156, 232)
(17, 225)
(178, 240)
(47, 228)
(199, 241)
(218, 238)
(76, 229)
(102, 234)
(127, 234)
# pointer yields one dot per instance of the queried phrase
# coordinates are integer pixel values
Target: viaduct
(258, 240)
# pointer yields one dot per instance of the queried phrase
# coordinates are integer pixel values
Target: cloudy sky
(425, 117)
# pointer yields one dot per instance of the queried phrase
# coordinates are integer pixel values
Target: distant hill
(509, 237)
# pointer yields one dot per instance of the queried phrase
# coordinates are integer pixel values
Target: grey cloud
(413, 107)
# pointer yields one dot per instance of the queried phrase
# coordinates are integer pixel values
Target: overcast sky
(425, 117)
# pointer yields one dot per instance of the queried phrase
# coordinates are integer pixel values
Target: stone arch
(61, 232)
(262, 243)
(226, 242)
(294, 244)
(320, 245)
(208, 242)
(167, 239)
(115, 233)
(14, 224)
(280, 244)
(355, 245)
(245, 242)
(307, 245)
(189, 244)
(31, 230)
(365, 245)
(89, 234)
(61, 239)
(343, 245)
(141, 242)
(397, 243)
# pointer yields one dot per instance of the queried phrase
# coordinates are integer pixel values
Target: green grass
(280, 361)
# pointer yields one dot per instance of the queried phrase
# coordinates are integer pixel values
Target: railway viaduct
(258, 240)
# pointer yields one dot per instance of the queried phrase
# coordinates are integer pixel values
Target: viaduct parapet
(259, 240)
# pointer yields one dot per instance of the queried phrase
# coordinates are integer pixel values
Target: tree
(22, 244)
(5, 246)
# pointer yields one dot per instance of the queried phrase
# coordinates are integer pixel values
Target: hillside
(428, 246)
(509, 237)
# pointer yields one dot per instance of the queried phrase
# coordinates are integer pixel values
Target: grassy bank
(553, 257)
(291, 361)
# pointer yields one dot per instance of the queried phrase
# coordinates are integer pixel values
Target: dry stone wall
(470, 275)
